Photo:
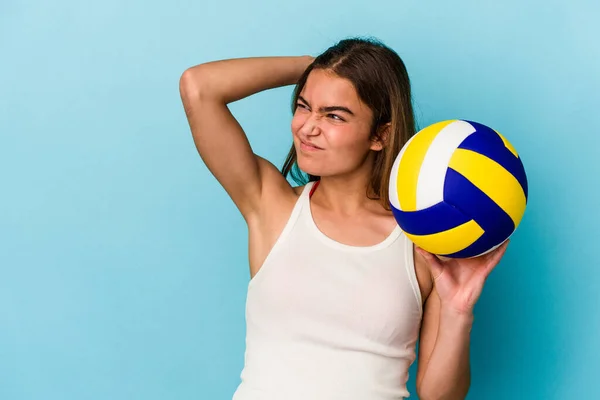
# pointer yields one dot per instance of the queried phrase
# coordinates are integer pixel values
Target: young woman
(338, 296)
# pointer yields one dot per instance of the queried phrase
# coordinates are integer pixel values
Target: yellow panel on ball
(450, 241)
(508, 145)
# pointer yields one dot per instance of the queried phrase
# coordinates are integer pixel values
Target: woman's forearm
(233, 79)
(448, 373)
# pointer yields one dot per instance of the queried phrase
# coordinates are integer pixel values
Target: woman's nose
(310, 127)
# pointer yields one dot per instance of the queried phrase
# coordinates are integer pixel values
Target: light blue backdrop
(123, 264)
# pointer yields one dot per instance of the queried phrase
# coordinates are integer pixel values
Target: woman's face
(331, 126)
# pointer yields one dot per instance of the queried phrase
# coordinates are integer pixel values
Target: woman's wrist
(461, 318)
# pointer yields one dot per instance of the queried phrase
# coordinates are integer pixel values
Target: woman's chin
(309, 169)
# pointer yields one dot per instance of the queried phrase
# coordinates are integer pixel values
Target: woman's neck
(343, 194)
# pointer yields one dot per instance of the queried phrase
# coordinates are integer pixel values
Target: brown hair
(382, 83)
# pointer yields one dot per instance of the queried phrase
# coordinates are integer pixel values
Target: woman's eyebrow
(328, 108)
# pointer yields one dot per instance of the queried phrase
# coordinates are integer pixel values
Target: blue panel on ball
(486, 141)
(481, 245)
(434, 219)
(466, 197)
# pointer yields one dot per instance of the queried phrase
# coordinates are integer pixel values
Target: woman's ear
(381, 137)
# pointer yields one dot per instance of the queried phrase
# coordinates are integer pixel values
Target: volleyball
(458, 189)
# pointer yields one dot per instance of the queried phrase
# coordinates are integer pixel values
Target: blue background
(123, 265)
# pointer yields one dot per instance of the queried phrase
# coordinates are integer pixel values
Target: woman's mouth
(306, 146)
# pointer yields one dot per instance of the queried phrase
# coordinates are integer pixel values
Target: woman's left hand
(459, 282)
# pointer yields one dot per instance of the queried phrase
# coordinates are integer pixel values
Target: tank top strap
(304, 199)
(306, 194)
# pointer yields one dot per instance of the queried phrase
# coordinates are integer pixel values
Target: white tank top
(329, 321)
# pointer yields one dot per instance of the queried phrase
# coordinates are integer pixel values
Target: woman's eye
(335, 117)
(300, 105)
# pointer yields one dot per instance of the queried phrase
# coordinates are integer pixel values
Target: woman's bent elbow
(189, 83)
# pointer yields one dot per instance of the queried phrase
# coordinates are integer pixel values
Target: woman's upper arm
(224, 147)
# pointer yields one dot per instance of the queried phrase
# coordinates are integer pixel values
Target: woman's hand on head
(459, 282)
